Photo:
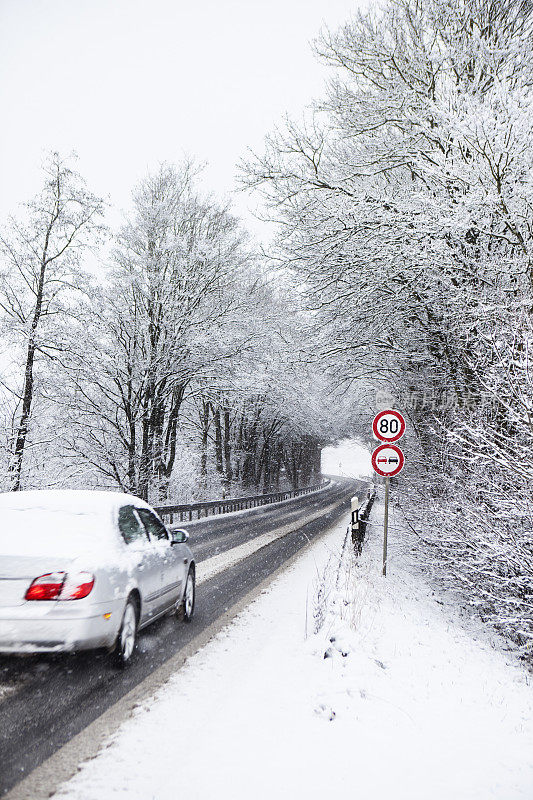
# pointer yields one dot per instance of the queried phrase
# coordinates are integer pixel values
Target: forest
(406, 201)
(165, 359)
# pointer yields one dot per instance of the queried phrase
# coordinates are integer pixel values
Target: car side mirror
(179, 536)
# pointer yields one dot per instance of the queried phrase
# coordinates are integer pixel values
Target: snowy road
(53, 699)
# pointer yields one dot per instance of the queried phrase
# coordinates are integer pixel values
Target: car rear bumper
(27, 629)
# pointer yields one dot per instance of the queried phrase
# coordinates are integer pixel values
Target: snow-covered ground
(413, 700)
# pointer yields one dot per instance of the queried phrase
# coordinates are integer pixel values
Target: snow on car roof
(60, 523)
(73, 501)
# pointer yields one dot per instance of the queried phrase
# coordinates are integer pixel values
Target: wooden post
(385, 525)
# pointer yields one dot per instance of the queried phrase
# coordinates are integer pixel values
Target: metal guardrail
(185, 512)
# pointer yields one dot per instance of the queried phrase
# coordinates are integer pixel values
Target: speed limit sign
(388, 426)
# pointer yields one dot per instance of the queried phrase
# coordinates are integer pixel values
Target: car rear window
(47, 532)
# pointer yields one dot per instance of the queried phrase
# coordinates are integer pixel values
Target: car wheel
(127, 636)
(185, 608)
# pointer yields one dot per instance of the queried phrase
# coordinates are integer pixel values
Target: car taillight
(61, 586)
(46, 587)
(77, 585)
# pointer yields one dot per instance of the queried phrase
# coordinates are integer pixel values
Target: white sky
(349, 458)
(130, 83)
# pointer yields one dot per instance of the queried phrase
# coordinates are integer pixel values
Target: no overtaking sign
(387, 460)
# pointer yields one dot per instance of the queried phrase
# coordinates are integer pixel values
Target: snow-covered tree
(406, 202)
(40, 282)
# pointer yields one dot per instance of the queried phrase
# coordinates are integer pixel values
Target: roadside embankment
(336, 681)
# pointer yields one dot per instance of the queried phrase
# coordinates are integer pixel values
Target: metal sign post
(387, 459)
(385, 525)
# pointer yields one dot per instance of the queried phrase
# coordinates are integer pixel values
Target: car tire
(185, 608)
(127, 636)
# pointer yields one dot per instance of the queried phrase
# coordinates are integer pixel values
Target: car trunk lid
(17, 573)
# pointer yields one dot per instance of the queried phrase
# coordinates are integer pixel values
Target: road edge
(44, 781)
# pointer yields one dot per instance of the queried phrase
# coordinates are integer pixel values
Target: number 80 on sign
(388, 426)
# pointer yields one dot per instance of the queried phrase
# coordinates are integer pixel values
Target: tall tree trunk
(267, 467)
(145, 465)
(27, 393)
(132, 446)
(132, 432)
(22, 432)
(227, 448)
(204, 419)
(218, 442)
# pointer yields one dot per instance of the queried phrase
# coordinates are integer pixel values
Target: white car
(87, 569)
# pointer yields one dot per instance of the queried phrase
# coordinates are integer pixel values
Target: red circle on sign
(386, 418)
(387, 460)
